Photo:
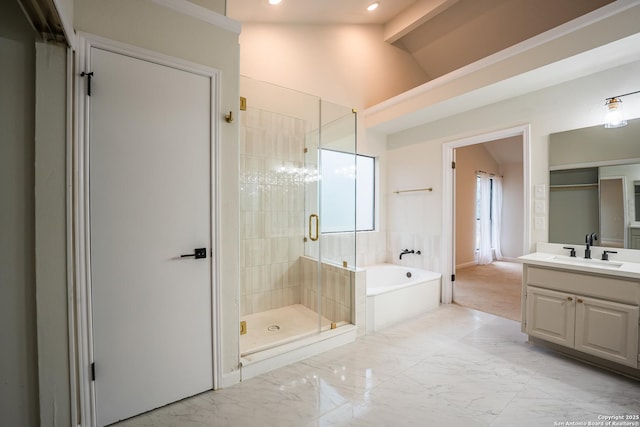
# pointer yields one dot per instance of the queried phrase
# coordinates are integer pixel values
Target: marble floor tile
(451, 367)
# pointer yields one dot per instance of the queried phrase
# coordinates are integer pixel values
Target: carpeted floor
(493, 288)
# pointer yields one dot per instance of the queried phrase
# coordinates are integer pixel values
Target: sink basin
(586, 262)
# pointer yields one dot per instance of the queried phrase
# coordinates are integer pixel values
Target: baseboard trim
(230, 378)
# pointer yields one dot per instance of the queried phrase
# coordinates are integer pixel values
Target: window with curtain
(488, 217)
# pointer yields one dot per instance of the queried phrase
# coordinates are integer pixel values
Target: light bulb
(614, 117)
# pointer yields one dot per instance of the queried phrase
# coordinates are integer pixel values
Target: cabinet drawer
(609, 288)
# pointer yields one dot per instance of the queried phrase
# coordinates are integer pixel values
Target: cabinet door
(634, 239)
(608, 330)
(551, 315)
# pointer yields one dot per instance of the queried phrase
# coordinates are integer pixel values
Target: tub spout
(406, 251)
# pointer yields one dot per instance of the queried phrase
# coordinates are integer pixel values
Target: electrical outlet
(540, 207)
(540, 191)
(539, 223)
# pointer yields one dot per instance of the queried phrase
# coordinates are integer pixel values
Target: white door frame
(79, 233)
(448, 197)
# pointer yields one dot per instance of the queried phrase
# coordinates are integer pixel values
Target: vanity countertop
(611, 268)
(554, 256)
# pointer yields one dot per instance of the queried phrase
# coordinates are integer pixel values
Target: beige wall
(512, 240)
(18, 348)
(50, 245)
(347, 64)
(218, 6)
(469, 160)
(150, 26)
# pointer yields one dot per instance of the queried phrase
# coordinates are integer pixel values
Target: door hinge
(89, 77)
(306, 149)
(453, 277)
(243, 327)
(453, 165)
(243, 103)
(93, 371)
(639, 357)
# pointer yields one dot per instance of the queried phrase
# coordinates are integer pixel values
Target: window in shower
(346, 176)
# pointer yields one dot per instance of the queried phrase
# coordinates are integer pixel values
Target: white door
(150, 202)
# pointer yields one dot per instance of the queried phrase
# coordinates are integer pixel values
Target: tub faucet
(588, 240)
(406, 251)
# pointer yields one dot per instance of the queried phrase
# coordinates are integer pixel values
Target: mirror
(594, 185)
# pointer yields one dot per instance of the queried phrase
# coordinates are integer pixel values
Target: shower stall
(298, 210)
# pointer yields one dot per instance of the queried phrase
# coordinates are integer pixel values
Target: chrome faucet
(588, 240)
(407, 251)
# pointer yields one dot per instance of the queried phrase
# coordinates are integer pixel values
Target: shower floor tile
(271, 328)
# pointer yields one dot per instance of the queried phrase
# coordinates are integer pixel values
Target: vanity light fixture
(614, 117)
(273, 2)
(373, 6)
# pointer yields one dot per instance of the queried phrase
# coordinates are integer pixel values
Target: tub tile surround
(453, 366)
(428, 245)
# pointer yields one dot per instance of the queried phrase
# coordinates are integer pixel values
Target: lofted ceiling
(441, 35)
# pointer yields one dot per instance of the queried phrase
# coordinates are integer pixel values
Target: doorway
(613, 219)
(459, 251)
(147, 150)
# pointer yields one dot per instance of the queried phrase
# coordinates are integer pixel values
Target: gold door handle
(311, 217)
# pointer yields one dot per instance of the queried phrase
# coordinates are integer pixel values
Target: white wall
(417, 152)
(414, 219)
(18, 348)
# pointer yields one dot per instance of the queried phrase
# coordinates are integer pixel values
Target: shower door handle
(317, 218)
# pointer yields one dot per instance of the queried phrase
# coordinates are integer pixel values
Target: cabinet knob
(569, 299)
(579, 301)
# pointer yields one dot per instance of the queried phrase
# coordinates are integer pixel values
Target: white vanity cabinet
(594, 314)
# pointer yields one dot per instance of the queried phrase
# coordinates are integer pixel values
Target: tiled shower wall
(271, 208)
(337, 290)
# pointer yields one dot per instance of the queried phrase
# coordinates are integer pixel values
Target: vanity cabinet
(592, 314)
(595, 326)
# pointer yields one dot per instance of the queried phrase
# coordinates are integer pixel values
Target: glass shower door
(330, 209)
(293, 284)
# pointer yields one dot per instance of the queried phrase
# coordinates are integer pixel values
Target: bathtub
(393, 296)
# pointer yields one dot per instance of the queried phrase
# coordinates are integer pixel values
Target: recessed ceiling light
(373, 6)
(274, 1)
